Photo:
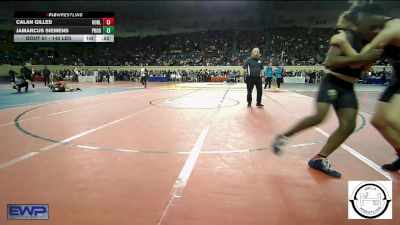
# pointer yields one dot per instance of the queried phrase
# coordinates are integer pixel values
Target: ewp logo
(28, 212)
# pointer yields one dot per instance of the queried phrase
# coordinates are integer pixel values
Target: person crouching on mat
(336, 89)
(18, 83)
(386, 118)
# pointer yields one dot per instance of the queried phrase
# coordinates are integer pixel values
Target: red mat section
(121, 157)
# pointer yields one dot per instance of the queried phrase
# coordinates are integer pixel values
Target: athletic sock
(318, 156)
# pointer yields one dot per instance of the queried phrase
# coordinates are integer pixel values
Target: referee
(46, 75)
(253, 67)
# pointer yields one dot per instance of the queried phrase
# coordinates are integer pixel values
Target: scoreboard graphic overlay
(63, 26)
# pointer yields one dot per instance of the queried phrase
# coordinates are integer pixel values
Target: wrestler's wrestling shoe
(394, 166)
(323, 165)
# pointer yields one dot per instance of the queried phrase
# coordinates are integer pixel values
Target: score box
(108, 21)
(108, 30)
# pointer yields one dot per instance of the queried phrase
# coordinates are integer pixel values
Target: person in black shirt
(27, 74)
(108, 75)
(384, 76)
(253, 67)
(46, 76)
(12, 73)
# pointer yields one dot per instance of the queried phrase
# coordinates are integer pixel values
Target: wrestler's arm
(339, 45)
(385, 36)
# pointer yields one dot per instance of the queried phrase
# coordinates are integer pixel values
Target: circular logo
(370, 200)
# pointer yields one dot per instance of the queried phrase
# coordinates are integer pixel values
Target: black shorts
(337, 92)
(392, 89)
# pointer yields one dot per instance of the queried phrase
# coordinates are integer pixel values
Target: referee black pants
(143, 80)
(46, 80)
(251, 81)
